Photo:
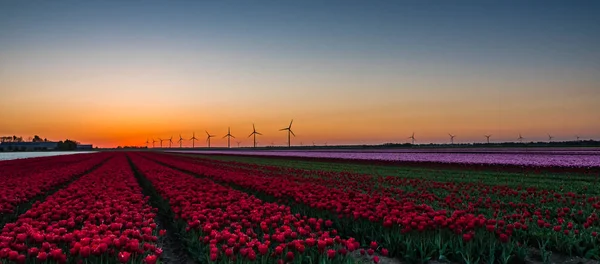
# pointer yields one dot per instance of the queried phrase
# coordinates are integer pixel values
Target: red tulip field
(152, 207)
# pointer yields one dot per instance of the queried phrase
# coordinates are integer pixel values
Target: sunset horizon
(347, 72)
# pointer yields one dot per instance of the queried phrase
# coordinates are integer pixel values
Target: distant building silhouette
(28, 146)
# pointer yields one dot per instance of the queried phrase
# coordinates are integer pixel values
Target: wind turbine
(147, 143)
(170, 141)
(550, 137)
(208, 136)
(314, 144)
(577, 136)
(451, 138)
(228, 136)
(413, 138)
(180, 141)
(153, 142)
(238, 142)
(488, 138)
(193, 139)
(254, 133)
(161, 140)
(520, 138)
(289, 130)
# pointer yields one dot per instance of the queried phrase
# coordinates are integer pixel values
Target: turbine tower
(193, 139)
(208, 136)
(153, 142)
(413, 138)
(170, 141)
(161, 140)
(228, 136)
(254, 133)
(180, 141)
(488, 138)
(289, 130)
(451, 138)
(520, 138)
(550, 137)
(238, 142)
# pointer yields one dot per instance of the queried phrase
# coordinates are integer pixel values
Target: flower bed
(100, 218)
(233, 226)
(20, 184)
(445, 214)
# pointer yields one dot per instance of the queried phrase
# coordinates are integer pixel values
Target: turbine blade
(292, 132)
(232, 136)
(258, 133)
(291, 123)
(251, 134)
(283, 129)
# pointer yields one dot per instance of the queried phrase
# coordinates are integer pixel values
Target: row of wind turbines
(487, 136)
(228, 136)
(289, 134)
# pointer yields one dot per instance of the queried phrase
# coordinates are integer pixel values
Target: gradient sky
(117, 72)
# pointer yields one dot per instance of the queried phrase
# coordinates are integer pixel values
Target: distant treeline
(19, 139)
(67, 145)
(131, 147)
(14, 138)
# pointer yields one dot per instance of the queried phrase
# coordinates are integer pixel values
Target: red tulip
(290, 256)
(263, 249)
(373, 245)
(124, 256)
(331, 253)
(42, 256)
(150, 259)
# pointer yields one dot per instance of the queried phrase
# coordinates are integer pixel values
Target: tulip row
(21, 184)
(225, 225)
(398, 218)
(101, 217)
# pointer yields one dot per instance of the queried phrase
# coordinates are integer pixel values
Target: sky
(114, 73)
